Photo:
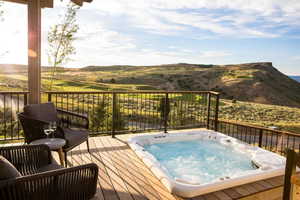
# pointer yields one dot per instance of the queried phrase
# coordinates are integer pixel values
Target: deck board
(123, 176)
(139, 177)
(104, 181)
(134, 176)
(113, 173)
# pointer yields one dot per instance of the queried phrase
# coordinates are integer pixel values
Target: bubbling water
(202, 161)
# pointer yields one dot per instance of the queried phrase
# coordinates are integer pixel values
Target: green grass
(285, 118)
(147, 78)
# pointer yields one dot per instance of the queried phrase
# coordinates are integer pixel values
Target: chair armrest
(78, 182)
(73, 115)
(27, 158)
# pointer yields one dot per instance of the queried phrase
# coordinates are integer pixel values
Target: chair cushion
(49, 168)
(7, 170)
(44, 112)
(74, 137)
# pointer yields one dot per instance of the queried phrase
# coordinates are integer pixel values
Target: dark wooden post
(34, 51)
(25, 99)
(166, 112)
(290, 169)
(217, 112)
(208, 109)
(260, 137)
(114, 105)
(49, 97)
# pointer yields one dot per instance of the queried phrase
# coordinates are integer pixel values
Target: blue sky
(147, 32)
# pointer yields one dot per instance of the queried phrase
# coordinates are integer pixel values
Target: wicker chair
(43, 179)
(35, 116)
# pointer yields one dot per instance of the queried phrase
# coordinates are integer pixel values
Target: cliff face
(263, 84)
(256, 82)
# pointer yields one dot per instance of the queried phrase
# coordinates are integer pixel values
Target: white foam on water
(200, 161)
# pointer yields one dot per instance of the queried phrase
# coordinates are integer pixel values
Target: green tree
(60, 38)
(102, 116)
(99, 115)
(180, 118)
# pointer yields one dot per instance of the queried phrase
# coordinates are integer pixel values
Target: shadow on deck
(122, 175)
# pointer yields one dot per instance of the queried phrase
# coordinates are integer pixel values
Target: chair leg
(88, 145)
(66, 160)
(61, 156)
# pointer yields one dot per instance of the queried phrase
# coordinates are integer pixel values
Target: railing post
(217, 112)
(49, 97)
(260, 138)
(290, 169)
(166, 112)
(25, 99)
(114, 104)
(208, 109)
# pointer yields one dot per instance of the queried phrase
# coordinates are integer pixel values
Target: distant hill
(255, 82)
(133, 67)
(16, 68)
(297, 78)
(12, 68)
(252, 82)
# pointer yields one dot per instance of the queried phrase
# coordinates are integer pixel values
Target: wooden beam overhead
(17, 1)
(80, 2)
(43, 3)
(48, 3)
(77, 2)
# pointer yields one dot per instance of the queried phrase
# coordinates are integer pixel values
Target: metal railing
(123, 112)
(270, 139)
(11, 103)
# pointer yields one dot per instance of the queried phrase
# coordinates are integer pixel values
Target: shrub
(112, 80)
(102, 117)
(99, 116)
(100, 80)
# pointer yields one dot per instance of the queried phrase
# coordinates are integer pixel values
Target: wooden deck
(123, 176)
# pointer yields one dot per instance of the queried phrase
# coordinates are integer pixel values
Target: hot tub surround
(267, 164)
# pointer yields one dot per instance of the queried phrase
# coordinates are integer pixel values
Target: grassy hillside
(254, 82)
(283, 117)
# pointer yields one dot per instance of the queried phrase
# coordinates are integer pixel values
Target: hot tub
(194, 162)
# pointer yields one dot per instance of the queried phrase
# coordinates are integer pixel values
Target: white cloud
(297, 58)
(108, 29)
(214, 54)
(168, 17)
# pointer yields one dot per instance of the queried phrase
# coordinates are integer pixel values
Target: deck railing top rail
(128, 92)
(259, 127)
(14, 92)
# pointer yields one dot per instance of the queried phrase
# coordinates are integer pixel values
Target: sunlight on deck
(124, 176)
